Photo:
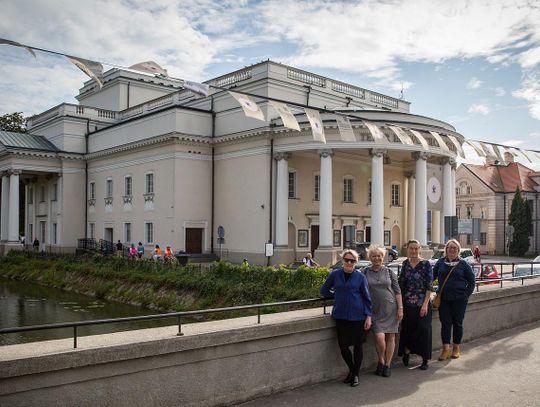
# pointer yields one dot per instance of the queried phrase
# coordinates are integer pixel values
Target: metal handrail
(178, 315)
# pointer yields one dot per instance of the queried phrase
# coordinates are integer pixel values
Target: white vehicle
(522, 270)
(465, 254)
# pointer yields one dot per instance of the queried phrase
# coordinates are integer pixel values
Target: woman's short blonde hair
(454, 241)
(376, 248)
(352, 252)
(413, 241)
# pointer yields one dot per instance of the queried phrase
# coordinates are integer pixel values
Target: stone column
(59, 199)
(435, 226)
(282, 199)
(4, 209)
(405, 223)
(377, 197)
(13, 232)
(453, 190)
(325, 203)
(411, 206)
(447, 196)
(420, 215)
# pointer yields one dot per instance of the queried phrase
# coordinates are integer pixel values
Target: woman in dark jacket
(415, 281)
(352, 311)
(454, 296)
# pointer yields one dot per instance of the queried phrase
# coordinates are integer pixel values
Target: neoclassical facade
(144, 160)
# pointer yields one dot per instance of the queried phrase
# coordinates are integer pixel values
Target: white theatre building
(144, 160)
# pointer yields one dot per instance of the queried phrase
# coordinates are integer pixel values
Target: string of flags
(485, 150)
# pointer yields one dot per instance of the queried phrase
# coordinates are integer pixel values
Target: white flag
(420, 138)
(459, 149)
(345, 128)
(251, 109)
(200, 88)
(149, 67)
(93, 69)
(440, 140)
(498, 154)
(287, 117)
(523, 153)
(401, 135)
(376, 133)
(477, 149)
(316, 125)
(17, 44)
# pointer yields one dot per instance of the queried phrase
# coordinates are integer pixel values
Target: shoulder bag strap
(446, 279)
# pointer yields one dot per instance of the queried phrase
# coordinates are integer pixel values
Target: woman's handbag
(437, 300)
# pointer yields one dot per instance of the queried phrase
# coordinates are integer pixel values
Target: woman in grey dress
(387, 307)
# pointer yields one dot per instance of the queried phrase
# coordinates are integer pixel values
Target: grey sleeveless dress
(383, 287)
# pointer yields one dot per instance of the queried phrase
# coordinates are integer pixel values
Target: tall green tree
(13, 122)
(521, 219)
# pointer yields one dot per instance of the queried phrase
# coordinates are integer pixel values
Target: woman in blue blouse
(415, 281)
(351, 311)
(455, 296)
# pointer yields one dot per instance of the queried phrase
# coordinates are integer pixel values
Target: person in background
(157, 254)
(351, 311)
(454, 296)
(416, 281)
(245, 263)
(477, 254)
(119, 248)
(140, 250)
(132, 252)
(308, 260)
(387, 307)
(169, 255)
(35, 244)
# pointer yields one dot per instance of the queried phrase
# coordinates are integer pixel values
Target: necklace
(377, 274)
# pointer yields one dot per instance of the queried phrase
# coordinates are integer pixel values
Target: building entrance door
(194, 242)
(108, 234)
(314, 238)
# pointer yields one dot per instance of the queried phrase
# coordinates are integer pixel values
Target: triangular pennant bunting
(149, 67)
(439, 140)
(477, 149)
(316, 125)
(251, 109)
(200, 88)
(287, 117)
(459, 149)
(16, 44)
(345, 129)
(91, 68)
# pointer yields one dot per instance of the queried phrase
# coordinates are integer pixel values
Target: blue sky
(474, 64)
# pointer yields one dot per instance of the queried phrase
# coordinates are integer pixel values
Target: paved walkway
(498, 370)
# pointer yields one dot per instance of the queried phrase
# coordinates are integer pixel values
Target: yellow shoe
(445, 354)
(455, 352)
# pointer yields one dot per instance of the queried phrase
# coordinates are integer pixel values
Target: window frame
(292, 193)
(109, 194)
(396, 185)
(128, 185)
(149, 183)
(348, 190)
(149, 232)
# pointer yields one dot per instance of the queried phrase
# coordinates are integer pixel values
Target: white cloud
(530, 91)
(512, 142)
(530, 58)
(474, 83)
(479, 108)
(500, 91)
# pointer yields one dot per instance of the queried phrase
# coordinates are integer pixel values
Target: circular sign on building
(434, 190)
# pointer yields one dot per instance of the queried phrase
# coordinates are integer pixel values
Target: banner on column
(451, 227)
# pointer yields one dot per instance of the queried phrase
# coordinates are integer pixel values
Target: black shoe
(379, 369)
(354, 381)
(405, 359)
(348, 378)
(424, 365)
(386, 371)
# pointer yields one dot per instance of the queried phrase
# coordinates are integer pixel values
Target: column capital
(14, 172)
(420, 155)
(327, 152)
(377, 152)
(282, 156)
(448, 160)
(408, 174)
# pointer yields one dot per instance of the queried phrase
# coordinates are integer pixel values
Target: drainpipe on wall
(308, 92)
(271, 200)
(213, 176)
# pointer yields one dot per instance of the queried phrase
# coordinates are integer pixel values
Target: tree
(13, 122)
(521, 219)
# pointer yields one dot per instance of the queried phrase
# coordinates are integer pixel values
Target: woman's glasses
(349, 260)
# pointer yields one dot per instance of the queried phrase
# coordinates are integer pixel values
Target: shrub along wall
(164, 287)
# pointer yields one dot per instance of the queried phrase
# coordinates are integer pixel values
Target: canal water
(23, 304)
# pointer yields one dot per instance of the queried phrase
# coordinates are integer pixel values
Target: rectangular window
(458, 212)
(92, 190)
(149, 232)
(30, 233)
(369, 193)
(109, 191)
(387, 238)
(469, 240)
(395, 195)
(54, 192)
(55, 233)
(127, 232)
(42, 226)
(469, 212)
(128, 189)
(483, 238)
(42, 195)
(317, 188)
(469, 190)
(149, 184)
(30, 195)
(92, 231)
(347, 190)
(292, 185)
(483, 213)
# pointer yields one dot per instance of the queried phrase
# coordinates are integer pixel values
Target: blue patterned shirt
(414, 282)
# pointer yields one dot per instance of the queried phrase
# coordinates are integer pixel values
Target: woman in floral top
(415, 281)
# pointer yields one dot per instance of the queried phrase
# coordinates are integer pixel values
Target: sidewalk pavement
(497, 370)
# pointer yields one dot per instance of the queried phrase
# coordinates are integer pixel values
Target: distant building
(486, 192)
(143, 159)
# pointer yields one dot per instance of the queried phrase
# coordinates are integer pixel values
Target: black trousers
(415, 333)
(451, 315)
